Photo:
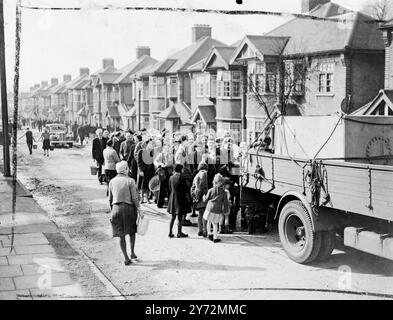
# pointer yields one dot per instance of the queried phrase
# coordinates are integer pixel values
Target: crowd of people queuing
(189, 175)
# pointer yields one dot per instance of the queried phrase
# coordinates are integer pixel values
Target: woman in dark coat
(178, 204)
(145, 168)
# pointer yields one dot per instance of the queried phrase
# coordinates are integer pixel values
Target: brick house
(58, 101)
(141, 96)
(125, 87)
(216, 93)
(44, 98)
(75, 95)
(101, 84)
(382, 103)
(170, 83)
(335, 60)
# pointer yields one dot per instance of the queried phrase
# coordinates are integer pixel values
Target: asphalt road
(240, 267)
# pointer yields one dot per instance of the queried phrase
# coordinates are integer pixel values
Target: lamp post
(139, 109)
(4, 105)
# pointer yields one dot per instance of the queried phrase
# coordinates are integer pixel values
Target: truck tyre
(297, 237)
(327, 245)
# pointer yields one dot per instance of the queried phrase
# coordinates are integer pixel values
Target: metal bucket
(93, 170)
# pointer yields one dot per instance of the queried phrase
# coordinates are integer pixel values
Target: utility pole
(3, 92)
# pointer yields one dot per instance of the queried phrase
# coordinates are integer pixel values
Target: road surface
(242, 266)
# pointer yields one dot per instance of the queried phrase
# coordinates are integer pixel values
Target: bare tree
(382, 10)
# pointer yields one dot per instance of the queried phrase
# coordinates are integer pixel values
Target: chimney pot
(142, 51)
(201, 30)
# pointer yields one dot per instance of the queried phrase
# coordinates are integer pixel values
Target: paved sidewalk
(35, 267)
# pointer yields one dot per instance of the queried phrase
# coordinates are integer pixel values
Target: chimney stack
(54, 81)
(36, 86)
(108, 62)
(66, 77)
(83, 71)
(308, 5)
(44, 84)
(142, 51)
(201, 30)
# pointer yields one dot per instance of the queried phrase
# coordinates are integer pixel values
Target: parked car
(59, 135)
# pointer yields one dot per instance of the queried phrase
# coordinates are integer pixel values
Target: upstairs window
(236, 83)
(157, 87)
(228, 84)
(262, 78)
(270, 81)
(325, 78)
(200, 84)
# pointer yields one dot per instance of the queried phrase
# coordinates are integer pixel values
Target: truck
(325, 176)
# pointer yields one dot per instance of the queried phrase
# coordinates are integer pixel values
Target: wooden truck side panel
(353, 187)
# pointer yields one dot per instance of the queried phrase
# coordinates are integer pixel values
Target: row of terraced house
(339, 58)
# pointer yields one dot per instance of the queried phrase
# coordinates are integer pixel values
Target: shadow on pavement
(185, 265)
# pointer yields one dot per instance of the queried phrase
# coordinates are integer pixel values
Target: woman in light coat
(124, 202)
(198, 190)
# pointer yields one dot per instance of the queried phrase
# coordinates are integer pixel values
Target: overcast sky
(60, 42)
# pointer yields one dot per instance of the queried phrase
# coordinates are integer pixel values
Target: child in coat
(217, 204)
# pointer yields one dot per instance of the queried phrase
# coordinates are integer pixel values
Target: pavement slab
(15, 295)
(6, 284)
(42, 248)
(52, 264)
(3, 261)
(10, 271)
(73, 291)
(25, 242)
(44, 280)
(29, 258)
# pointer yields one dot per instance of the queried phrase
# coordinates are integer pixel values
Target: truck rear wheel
(327, 244)
(297, 237)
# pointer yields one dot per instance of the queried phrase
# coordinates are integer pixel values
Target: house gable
(382, 105)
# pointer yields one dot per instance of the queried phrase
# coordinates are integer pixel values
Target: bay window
(213, 85)
(157, 87)
(207, 85)
(200, 83)
(270, 83)
(228, 84)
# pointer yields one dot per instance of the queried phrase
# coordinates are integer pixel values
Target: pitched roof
(353, 30)
(82, 84)
(188, 56)
(261, 45)
(329, 9)
(160, 67)
(169, 113)
(198, 66)
(207, 114)
(96, 76)
(58, 88)
(112, 112)
(107, 78)
(74, 83)
(133, 67)
(383, 95)
(219, 57)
